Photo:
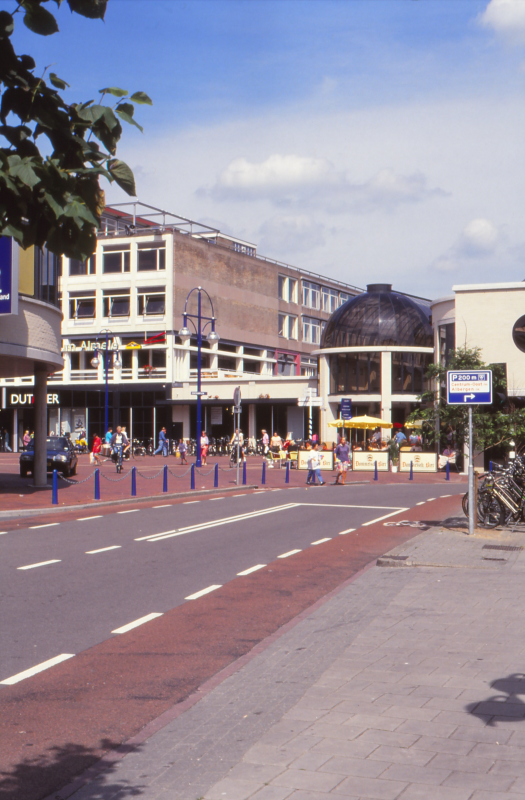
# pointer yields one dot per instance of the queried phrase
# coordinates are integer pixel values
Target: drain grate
(487, 558)
(506, 547)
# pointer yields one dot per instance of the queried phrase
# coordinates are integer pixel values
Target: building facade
(126, 303)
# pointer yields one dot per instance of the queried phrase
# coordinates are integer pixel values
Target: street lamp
(117, 363)
(212, 336)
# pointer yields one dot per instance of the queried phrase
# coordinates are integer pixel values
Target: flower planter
(394, 467)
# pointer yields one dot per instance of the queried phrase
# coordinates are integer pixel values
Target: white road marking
(83, 519)
(136, 623)
(348, 530)
(189, 502)
(48, 525)
(155, 537)
(41, 564)
(129, 511)
(429, 499)
(290, 553)
(320, 541)
(240, 495)
(340, 505)
(384, 517)
(103, 549)
(217, 498)
(3, 532)
(422, 503)
(251, 569)
(167, 506)
(203, 592)
(38, 668)
(446, 495)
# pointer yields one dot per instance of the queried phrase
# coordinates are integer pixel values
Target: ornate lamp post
(117, 363)
(212, 336)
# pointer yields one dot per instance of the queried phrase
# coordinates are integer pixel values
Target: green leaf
(123, 176)
(16, 233)
(40, 21)
(78, 211)
(55, 207)
(57, 82)
(25, 173)
(93, 9)
(114, 91)
(7, 24)
(141, 98)
(91, 113)
(128, 118)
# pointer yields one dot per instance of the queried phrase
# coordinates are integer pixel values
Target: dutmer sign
(29, 399)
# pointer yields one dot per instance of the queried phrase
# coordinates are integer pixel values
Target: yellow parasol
(339, 423)
(367, 422)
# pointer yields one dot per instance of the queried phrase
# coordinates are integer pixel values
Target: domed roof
(380, 317)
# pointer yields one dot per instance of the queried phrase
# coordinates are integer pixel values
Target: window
(287, 326)
(283, 288)
(343, 297)
(330, 299)
(287, 289)
(309, 366)
(151, 256)
(311, 294)
(292, 290)
(77, 267)
(253, 367)
(311, 330)
(81, 305)
(116, 303)
(408, 372)
(151, 301)
(48, 267)
(116, 258)
(356, 373)
(286, 364)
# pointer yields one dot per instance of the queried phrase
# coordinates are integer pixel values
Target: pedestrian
(97, 447)
(163, 444)
(183, 449)
(7, 449)
(265, 442)
(276, 443)
(205, 443)
(237, 444)
(400, 438)
(26, 439)
(342, 452)
(314, 466)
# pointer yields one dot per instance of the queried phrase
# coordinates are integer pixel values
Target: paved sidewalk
(406, 684)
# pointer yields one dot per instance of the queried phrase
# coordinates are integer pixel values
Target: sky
(365, 140)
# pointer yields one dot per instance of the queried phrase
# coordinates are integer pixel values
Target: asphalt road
(108, 571)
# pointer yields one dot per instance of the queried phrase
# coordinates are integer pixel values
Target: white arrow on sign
(468, 396)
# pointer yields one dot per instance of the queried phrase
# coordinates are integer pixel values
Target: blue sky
(365, 139)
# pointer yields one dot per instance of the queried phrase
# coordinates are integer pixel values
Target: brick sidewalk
(17, 492)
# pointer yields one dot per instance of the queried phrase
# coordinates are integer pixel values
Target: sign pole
(471, 498)
(238, 436)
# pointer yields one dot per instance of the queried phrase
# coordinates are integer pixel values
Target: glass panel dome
(380, 317)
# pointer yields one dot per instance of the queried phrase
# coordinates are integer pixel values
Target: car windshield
(57, 443)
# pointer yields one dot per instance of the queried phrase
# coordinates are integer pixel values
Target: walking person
(314, 467)
(26, 439)
(265, 442)
(342, 453)
(276, 443)
(7, 449)
(163, 443)
(97, 447)
(183, 449)
(205, 443)
(237, 439)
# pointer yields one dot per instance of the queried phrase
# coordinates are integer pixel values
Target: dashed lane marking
(217, 498)
(84, 519)
(348, 530)
(189, 502)
(340, 505)
(446, 495)
(166, 506)
(289, 553)
(251, 569)
(41, 564)
(203, 592)
(422, 503)
(103, 549)
(400, 511)
(2, 533)
(240, 495)
(129, 511)
(320, 541)
(38, 668)
(136, 623)
(155, 537)
(429, 499)
(47, 525)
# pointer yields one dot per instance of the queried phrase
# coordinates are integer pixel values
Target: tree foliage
(55, 199)
(493, 426)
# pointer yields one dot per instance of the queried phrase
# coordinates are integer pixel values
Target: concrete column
(40, 409)
(134, 365)
(327, 409)
(251, 421)
(214, 358)
(386, 386)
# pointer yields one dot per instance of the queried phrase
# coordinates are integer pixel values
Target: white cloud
(506, 18)
(287, 234)
(479, 239)
(292, 180)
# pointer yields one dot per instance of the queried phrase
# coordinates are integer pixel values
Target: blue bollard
(192, 486)
(490, 466)
(165, 479)
(216, 476)
(375, 471)
(263, 478)
(448, 472)
(287, 480)
(133, 482)
(97, 484)
(411, 471)
(244, 473)
(54, 500)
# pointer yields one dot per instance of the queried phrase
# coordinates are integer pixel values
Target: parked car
(60, 456)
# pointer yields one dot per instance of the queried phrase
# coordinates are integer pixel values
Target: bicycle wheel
(491, 512)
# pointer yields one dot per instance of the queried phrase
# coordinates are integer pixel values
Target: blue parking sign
(469, 387)
(346, 408)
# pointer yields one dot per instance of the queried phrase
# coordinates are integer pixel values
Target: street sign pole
(237, 416)
(471, 498)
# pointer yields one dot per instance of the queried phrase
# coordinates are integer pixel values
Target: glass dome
(380, 317)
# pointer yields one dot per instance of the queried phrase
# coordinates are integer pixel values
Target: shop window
(311, 294)
(82, 305)
(87, 267)
(116, 258)
(151, 302)
(355, 373)
(116, 303)
(151, 256)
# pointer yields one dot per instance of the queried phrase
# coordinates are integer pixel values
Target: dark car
(60, 456)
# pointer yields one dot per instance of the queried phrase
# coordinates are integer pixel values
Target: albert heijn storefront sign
(27, 399)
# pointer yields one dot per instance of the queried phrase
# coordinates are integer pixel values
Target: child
(182, 448)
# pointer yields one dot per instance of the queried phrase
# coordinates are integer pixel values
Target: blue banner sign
(6, 275)
(346, 408)
(469, 388)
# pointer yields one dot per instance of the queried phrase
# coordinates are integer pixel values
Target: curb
(19, 513)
